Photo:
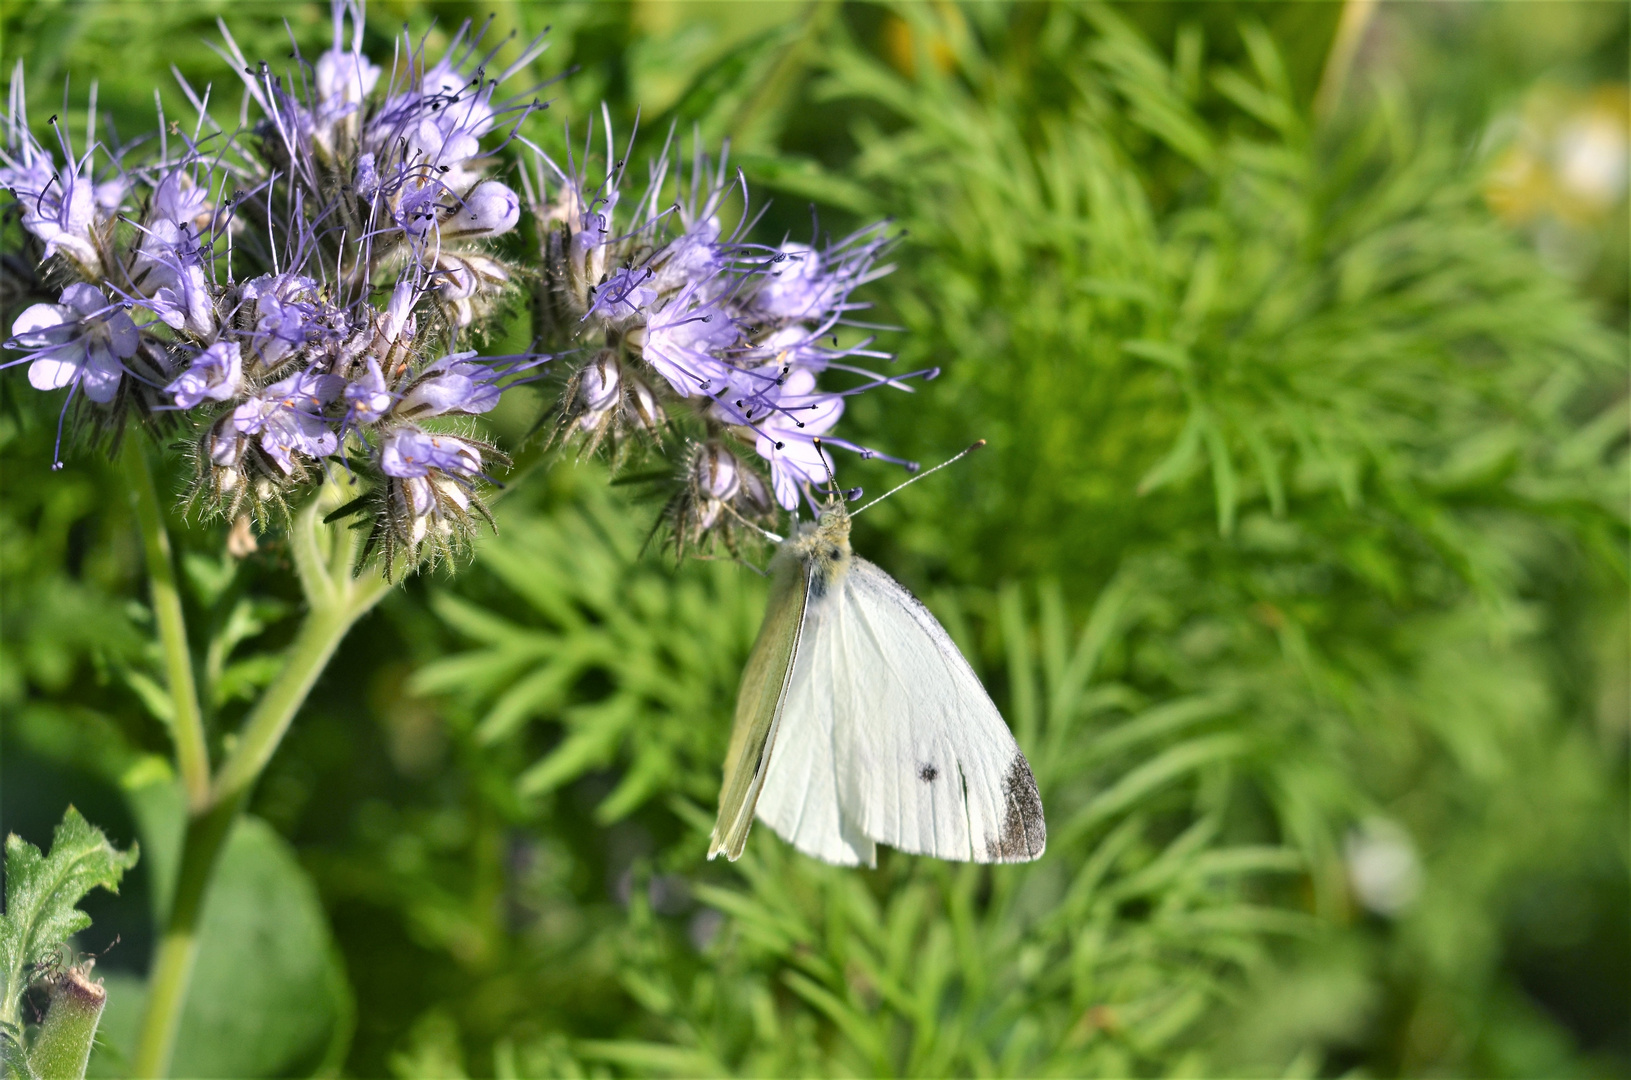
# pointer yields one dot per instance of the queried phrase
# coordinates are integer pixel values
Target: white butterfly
(859, 723)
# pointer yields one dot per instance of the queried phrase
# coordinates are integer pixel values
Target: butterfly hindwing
(800, 799)
(759, 707)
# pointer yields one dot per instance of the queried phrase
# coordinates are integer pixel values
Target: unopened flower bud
(598, 385)
(643, 408)
(399, 313)
(755, 495)
(716, 472)
(226, 444)
(491, 209)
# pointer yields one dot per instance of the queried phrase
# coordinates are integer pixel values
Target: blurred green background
(1297, 562)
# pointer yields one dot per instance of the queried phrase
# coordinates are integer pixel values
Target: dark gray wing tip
(1024, 834)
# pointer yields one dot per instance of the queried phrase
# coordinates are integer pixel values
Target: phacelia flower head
(295, 290)
(307, 291)
(684, 326)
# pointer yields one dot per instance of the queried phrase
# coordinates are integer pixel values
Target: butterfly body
(859, 723)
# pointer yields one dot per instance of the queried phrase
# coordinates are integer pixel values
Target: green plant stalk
(319, 635)
(62, 1048)
(335, 601)
(173, 961)
(187, 719)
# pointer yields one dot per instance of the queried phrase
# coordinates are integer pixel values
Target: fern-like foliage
(1286, 430)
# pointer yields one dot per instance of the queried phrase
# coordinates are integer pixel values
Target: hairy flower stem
(324, 556)
(63, 1046)
(187, 719)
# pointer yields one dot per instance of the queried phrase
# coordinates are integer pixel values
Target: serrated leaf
(42, 892)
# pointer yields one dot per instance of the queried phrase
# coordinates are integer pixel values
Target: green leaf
(1223, 477)
(269, 996)
(651, 1058)
(1165, 353)
(805, 178)
(1179, 460)
(245, 678)
(153, 696)
(42, 892)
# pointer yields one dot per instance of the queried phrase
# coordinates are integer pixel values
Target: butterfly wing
(925, 762)
(800, 798)
(759, 708)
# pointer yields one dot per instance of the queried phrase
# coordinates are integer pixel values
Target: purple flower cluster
(674, 315)
(233, 279)
(296, 288)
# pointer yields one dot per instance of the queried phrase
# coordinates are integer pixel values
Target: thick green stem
(187, 719)
(62, 1048)
(173, 962)
(335, 600)
(319, 635)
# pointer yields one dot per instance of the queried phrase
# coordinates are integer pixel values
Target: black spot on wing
(1023, 834)
(927, 773)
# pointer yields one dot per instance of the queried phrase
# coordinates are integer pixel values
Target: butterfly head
(824, 540)
(822, 545)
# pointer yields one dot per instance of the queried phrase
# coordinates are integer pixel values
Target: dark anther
(780, 445)
(800, 423)
(53, 119)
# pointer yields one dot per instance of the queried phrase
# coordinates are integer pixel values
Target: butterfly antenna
(906, 483)
(833, 494)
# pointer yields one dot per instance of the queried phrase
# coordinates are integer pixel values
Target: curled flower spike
(294, 290)
(303, 292)
(688, 328)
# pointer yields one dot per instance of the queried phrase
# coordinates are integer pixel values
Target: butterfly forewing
(927, 763)
(759, 708)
